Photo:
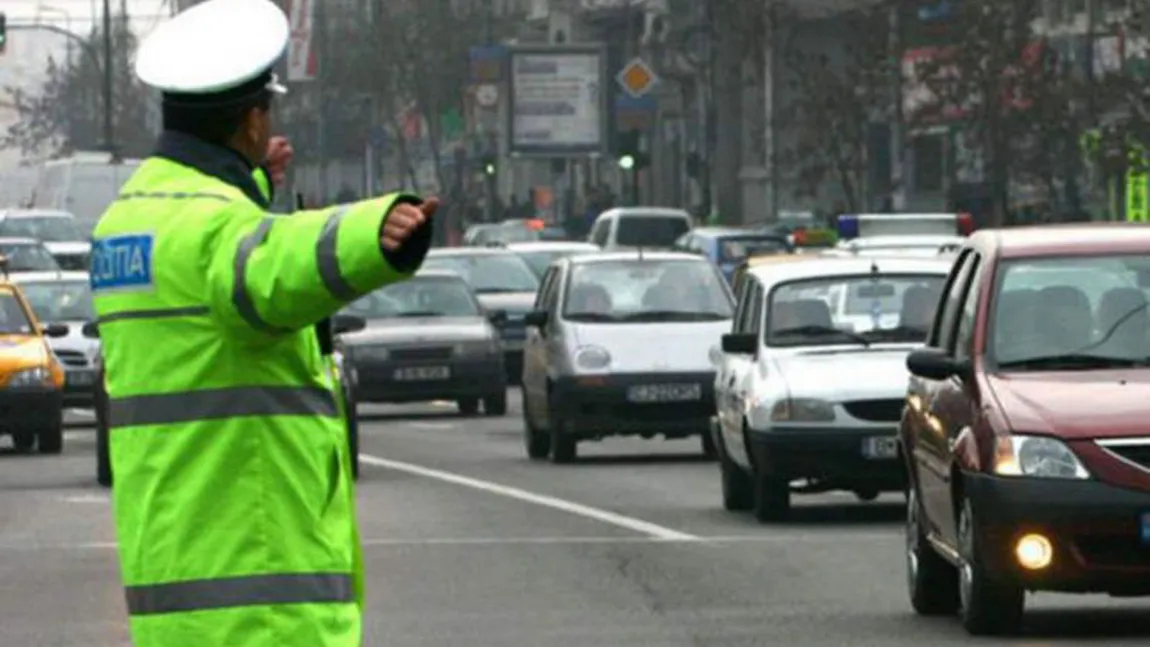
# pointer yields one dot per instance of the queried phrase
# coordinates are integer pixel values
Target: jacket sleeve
(272, 275)
(263, 180)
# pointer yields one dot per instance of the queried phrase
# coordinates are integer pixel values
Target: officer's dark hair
(218, 116)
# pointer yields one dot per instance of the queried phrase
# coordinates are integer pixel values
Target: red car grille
(1137, 454)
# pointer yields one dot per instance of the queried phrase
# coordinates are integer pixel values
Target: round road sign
(487, 95)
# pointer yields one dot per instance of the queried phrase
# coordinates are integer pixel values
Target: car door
(724, 360)
(942, 403)
(535, 353)
(740, 376)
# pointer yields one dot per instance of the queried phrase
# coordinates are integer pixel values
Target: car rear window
(650, 231)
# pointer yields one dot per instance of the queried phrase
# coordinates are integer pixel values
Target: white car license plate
(80, 378)
(665, 392)
(421, 373)
(880, 447)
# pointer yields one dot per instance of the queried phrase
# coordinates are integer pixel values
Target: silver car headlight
(1037, 457)
(802, 410)
(592, 358)
(38, 376)
(478, 348)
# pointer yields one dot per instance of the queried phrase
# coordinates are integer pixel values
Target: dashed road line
(605, 516)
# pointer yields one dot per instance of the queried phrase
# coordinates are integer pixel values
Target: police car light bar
(904, 224)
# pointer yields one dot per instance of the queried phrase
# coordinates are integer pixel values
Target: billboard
(558, 100)
(302, 61)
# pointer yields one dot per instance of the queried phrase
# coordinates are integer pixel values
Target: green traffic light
(489, 169)
(627, 162)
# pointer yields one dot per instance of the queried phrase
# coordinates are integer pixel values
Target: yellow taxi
(31, 377)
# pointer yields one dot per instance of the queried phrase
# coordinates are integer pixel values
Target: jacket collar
(220, 162)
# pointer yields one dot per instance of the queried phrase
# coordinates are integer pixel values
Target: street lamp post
(109, 134)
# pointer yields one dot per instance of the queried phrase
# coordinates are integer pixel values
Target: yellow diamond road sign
(637, 78)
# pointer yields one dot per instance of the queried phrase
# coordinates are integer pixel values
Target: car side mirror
(740, 343)
(536, 318)
(497, 317)
(91, 330)
(342, 323)
(55, 330)
(936, 364)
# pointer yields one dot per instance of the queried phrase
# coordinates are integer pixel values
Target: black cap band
(239, 95)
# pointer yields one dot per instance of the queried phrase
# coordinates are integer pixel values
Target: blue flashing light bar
(852, 226)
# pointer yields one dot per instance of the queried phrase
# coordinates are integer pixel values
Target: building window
(927, 153)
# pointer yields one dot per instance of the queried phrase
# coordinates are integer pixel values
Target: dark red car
(1027, 427)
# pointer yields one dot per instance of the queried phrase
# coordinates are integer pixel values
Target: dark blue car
(726, 247)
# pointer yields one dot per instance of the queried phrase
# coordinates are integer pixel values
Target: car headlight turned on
(1037, 457)
(592, 358)
(802, 410)
(476, 348)
(31, 377)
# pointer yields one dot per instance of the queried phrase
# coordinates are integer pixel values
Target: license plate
(1144, 527)
(665, 392)
(418, 373)
(880, 447)
(80, 378)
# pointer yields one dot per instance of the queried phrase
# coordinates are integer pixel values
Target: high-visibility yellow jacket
(233, 499)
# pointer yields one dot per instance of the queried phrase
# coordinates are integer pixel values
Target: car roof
(34, 213)
(908, 240)
(468, 251)
(823, 266)
(22, 240)
(645, 212)
(720, 232)
(772, 259)
(546, 245)
(1069, 239)
(634, 255)
(437, 273)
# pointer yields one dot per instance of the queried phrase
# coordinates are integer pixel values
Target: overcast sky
(78, 14)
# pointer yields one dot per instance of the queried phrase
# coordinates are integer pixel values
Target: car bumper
(833, 455)
(1096, 530)
(30, 408)
(80, 387)
(595, 406)
(377, 381)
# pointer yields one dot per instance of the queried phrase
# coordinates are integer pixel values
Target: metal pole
(109, 133)
(897, 135)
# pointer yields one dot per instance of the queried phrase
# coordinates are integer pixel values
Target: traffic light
(490, 168)
(629, 149)
(3, 32)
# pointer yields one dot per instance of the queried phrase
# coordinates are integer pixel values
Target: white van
(82, 185)
(631, 227)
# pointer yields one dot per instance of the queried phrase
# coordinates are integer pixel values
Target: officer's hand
(280, 154)
(403, 220)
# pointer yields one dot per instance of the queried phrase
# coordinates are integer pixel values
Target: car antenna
(640, 250)
(874, 267)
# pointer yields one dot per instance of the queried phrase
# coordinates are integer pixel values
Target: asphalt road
(468, 543)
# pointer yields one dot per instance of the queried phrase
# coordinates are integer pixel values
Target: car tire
(537, 443)
(496, 404)
(738, 493)
(50, 437)
(931, 581)
(564, 447)
(707, 444)
(24, 440)
(468, 406)
(988, 606)
(772, 498)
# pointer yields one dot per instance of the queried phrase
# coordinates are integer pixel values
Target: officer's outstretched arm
(277, 274)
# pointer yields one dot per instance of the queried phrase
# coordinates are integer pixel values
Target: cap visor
(275, 87)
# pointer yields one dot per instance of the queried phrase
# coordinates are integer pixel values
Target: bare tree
(66, 113)
(835, 97)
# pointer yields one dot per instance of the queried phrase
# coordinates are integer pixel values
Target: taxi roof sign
(904, 224)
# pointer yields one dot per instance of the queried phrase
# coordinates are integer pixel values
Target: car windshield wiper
(910, 333)
(500, 290)
(822, 331)
(1074, 362)
(672, 315)
(419, 313)
(590, 316)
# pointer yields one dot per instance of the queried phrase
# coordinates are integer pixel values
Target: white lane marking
(788, 538)
(570, 507)
(86, 498)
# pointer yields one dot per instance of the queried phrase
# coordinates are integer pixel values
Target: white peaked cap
(215, 46)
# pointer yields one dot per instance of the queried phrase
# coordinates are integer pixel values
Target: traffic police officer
(233, 499)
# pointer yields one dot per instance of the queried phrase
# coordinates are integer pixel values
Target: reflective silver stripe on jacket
(198, 595)
(155, 313)
(327, 258)
(174, 195)
(217, 404)
(241, 298)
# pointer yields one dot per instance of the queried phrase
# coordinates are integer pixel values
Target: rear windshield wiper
(822, 331)
(1073, 361)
